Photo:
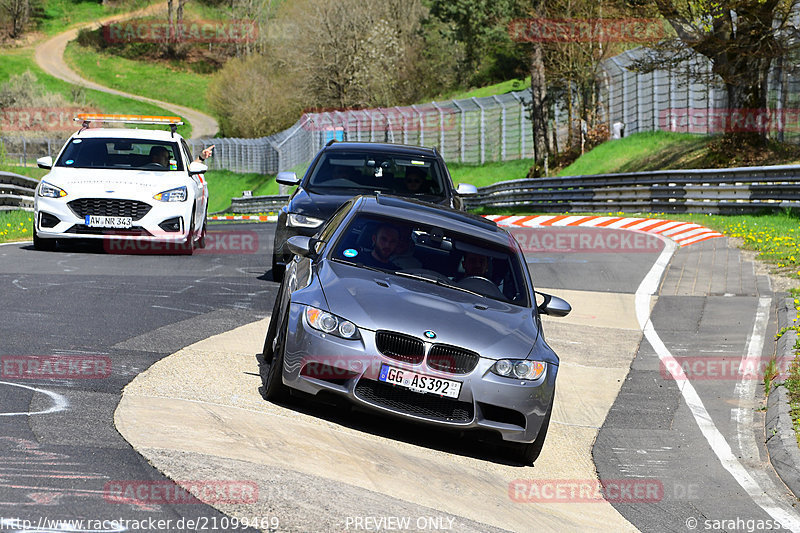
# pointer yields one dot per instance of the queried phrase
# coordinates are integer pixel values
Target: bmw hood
(378, 301)
(121, 182)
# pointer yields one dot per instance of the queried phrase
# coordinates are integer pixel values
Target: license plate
(95, 221)
(419, 382)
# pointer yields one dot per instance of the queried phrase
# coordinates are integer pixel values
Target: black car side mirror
(553, 305)
(302, 246)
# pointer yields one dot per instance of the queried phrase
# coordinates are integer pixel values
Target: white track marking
(59, 402)
(715, 439)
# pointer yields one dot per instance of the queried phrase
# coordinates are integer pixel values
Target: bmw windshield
(433, 255)
(367, 172)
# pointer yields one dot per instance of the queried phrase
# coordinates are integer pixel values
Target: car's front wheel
(278, 270)
(271, 371)
(527, 453)
(43, 244)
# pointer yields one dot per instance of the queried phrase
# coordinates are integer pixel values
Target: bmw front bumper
(316, 362)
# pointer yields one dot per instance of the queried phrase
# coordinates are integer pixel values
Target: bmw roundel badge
(430, 334)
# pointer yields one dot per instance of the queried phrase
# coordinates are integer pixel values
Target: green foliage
(142, 78)
(16, 225)
(224, 185)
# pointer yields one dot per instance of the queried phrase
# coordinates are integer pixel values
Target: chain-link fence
(498, 128)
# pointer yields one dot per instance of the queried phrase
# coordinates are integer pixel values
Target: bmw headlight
(48, 190)
(173, 195)
(296, 220)
(330, 323)
(519, 368)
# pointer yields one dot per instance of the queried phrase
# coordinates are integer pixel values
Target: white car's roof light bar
(88, 118)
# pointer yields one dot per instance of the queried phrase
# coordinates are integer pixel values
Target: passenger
(404, 255)
(475, 265)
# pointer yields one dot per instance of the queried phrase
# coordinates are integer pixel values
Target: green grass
(224, 185)
(18, 61)
(61, 14)
(31, 172)
(663, 150)
(489, 173)
(489, 90)
(154, 80)
(640, 152)
(16, 225)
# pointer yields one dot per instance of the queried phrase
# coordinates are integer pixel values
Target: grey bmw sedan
(417, 311)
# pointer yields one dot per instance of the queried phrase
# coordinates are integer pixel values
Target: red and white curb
(683, 233)
(255, 218)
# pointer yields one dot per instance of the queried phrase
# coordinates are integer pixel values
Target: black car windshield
(135, 154)
(433, 255)
(405, 175)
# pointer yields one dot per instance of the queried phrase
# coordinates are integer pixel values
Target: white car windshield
(134, 154)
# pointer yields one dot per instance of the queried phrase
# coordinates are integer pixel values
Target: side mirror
(302, 246)
(466, 189)
(553, 305)
(287, 178)
(45, 162)
(196, 167)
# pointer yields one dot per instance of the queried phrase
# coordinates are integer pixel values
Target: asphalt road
(128, 310)
(61, 454)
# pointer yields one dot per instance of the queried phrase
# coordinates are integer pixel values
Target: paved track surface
(197, 414)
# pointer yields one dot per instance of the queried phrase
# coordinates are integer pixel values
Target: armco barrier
(733, 190)
(723, 191)
(16, 192)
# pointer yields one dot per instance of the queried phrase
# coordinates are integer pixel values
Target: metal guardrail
(258, 204)
(16, 192)
(712, 191)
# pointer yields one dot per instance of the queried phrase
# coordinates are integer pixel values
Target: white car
(123, 184)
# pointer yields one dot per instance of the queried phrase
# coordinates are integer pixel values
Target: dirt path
(50, 57)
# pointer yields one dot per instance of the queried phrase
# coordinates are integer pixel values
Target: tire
(187, 247)
(201, 242)
(45, 245)
(278, 270)
(527, 453)
(272, 369)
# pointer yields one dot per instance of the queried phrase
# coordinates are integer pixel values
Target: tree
(357, 53)
(741, 38)
(18, 13)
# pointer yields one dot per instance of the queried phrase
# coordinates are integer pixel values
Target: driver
(385, 242)
(160, 156)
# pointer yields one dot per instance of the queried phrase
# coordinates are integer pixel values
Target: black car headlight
(519, 368)
(329, 323)
(295, 220)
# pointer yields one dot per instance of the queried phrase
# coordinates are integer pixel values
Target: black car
(342, 170)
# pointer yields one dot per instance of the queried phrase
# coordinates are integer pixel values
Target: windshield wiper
(437, 281)
(351, 263)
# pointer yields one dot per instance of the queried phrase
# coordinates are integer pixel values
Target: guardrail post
(463, 132)
(483, 129)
